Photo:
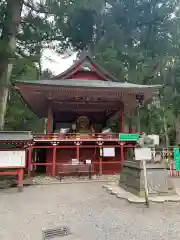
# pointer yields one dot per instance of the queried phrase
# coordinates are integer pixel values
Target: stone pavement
(89, 212)
(119, 192)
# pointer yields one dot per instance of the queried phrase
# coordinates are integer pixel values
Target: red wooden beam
(9, 173)
(18, 172)
(60, 163)
(100, 160)
(20, 179)
(41, 164)
(49, 123)
(54, 161)
(86, 108)
(84, 146)
(30, 149)
(122, 121)
(86, 102)
(77, 151)
(122, 155)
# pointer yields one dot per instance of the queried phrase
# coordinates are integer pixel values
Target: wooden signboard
(144, 154)
(108, 152)
(129, 137)
(177, 158)
(12, 159)
(75, 161)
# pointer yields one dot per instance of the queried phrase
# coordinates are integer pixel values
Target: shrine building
(78, 104)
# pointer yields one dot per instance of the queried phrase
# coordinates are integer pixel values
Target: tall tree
(19, 116)
(11, 20)
(25, 29)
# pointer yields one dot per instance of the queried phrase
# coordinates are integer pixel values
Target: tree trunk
(177, 125)
(8, 41)
(138, 117)
(165, 129)
(4, 90)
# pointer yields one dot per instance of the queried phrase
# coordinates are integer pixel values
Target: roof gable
(87, 68)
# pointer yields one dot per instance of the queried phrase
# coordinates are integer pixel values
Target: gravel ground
(87, 210)
(47, 179)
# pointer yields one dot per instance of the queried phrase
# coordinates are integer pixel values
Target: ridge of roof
(84, 56)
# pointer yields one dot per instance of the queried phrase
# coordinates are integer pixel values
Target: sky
(56, 62)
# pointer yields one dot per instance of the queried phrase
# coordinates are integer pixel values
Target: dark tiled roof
(11, 136)
(87, 84)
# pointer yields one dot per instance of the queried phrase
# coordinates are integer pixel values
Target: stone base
(159, 182)
(123, 194)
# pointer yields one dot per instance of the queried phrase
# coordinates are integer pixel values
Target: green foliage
(138, 41)
(19, 116)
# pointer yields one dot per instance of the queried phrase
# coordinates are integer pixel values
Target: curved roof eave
(96, 84)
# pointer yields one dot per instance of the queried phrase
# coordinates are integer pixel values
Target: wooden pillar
(49, 120)
(77, 151)
(100, 161)
(122, 121)
(122, 155)
(29, 160)
(54, 161)
(20, 179)
(138, 119)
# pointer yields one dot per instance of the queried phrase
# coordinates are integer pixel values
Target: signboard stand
(13, 153)
(19, 172)
(143, 155)
(15, 160)
(145, 183)
(20, 179)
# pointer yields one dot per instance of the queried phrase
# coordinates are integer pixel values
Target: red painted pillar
(49, 121)
(122, 154)
(20, 179)
(54, 161)
(77, 151)
(122, 121)
(29, 160)
(100, 160)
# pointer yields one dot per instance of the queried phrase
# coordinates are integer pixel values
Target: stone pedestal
(159, 182)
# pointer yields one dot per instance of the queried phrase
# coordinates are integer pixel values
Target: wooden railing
(71, 136)
(115, 167)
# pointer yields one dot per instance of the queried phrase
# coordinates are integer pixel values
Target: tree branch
(38, 9)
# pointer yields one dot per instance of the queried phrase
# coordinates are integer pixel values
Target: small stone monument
(132, 179)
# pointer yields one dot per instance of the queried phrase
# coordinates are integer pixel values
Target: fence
(168, 158)
(165, 156)
(161, 155)
(172, 170)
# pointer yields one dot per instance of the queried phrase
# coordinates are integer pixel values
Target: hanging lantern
(74, 127)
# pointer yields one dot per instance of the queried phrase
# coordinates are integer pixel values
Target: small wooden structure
(82, 99)
(75, 170)
(13, 154)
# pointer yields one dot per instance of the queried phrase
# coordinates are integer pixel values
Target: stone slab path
(119, 192)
